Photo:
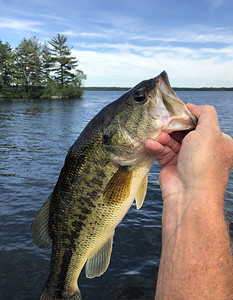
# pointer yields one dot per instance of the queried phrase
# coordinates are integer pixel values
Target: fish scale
(104, 171)
(84, 201)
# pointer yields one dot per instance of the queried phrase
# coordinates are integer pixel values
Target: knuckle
(210, 109)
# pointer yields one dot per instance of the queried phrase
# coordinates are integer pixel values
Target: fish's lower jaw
(175, 125)
(185, 121)
(131, 159)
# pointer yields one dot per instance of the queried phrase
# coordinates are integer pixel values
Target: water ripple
(35, 136)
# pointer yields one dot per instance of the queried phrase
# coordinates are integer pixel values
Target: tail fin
(46, 296)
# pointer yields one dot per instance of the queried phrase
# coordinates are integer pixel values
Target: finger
(205, 114)
(166, 140)
(227, 137)
(163, 138)
(164, 154)
(167, 157)
(154, 147)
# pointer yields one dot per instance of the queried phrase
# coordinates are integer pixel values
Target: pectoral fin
(118, 188)
(40, 226)
(141, 194)
(98, 263)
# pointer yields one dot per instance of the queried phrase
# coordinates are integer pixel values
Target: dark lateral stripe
(64, 268)
(67, 256)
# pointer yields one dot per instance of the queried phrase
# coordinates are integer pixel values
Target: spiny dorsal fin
(118, 188)
(40, 226)
(98, 263)
(141, 193)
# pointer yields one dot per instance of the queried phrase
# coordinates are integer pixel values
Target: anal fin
(141, 193)
(99, 262)
(40, 226)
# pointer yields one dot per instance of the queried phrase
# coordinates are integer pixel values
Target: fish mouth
(172, 111)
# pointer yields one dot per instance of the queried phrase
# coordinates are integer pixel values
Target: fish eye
(106, 139)
(139, 96)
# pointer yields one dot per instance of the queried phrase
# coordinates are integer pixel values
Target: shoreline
(174, 88)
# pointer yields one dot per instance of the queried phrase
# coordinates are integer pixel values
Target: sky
(122, 42)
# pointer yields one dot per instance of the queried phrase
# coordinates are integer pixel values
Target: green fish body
(104, 171)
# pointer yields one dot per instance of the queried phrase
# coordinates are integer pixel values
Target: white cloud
(20, 25)
(83, 34)
(215, 3)
(196, 57)
(193, 34)
(119, 50)
(185, 66)
(197, 34)
(150, 51)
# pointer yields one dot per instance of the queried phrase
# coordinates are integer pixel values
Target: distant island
(174, 88)
(203, 89)
(38, 70)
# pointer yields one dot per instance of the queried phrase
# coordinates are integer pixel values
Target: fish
(105, 170)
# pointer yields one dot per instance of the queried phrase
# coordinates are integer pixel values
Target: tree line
(35, 69)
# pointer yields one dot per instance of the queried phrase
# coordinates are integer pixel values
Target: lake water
(34, 138)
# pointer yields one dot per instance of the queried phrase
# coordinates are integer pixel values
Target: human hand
(199, 161)
(193, 179)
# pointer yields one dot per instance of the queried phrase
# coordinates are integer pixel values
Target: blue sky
(121, 42)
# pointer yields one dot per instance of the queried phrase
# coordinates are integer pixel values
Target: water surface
(34, 138)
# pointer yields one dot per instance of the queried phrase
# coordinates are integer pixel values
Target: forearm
(196, 261)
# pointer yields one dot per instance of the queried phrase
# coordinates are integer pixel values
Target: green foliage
(53, 89)
(47, 63)
(71, 91)
(28, 62)
(6, 67)
(64, 63)
(34, 69)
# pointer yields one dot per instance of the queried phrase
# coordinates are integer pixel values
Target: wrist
(196, 257)
(191, 208)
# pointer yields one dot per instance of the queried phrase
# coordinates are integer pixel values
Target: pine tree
(47, 63)
(35, 61)
(29, 63)
(35, 70)
(6, 66)
(64, 62)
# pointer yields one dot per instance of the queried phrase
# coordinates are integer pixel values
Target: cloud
(21, 25)
(83, 34)
(217, 37)
(126, 65)
(197, 34)
(122, 48)
(191, 34)
(214, 4)
(150, 51)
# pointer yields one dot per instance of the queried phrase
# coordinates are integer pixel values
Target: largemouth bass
(104, 171)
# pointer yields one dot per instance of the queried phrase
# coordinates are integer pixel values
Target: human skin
(196, 259)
